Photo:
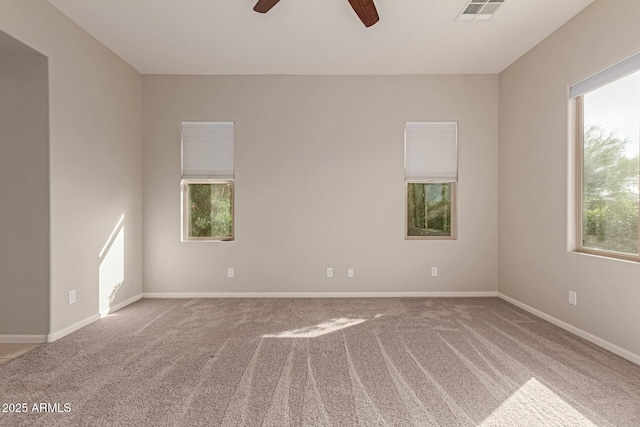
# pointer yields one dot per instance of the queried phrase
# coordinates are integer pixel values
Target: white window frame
(426, 174)
(576, 95)
(211, 172)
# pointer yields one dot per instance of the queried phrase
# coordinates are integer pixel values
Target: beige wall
(319, 183)
(24, 191)
(95, 156)
(536, 264)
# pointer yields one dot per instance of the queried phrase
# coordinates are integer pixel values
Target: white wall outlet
(434, 271)
(573, 298)
(230, 272)
(72, 297)
(350, 272)
(329, 272)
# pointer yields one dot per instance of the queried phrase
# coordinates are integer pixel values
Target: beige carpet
(322, 362)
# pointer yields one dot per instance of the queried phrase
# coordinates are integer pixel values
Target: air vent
(479, 10)
(472, 9)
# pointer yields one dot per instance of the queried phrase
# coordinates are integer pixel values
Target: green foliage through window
(610, 193)
(429, 209)
(210, 210)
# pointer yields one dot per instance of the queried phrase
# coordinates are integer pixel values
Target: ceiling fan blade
(264, 6)
(366, 11)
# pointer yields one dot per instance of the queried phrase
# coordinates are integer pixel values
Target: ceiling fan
(365, 9)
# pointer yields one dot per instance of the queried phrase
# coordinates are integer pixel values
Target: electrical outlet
(350, 272)
(72, 297)
(434, 271)
(573, 298)
(230, 272)
(329, 272)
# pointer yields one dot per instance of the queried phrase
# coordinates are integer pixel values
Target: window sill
(607, 255)
(206, 241)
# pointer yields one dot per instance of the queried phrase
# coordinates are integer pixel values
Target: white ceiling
(316, 36)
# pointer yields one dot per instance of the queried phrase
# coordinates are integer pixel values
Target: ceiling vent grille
(479, 10)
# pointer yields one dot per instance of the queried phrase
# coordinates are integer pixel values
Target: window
(607, 166)
(208, 181)
(431, 175)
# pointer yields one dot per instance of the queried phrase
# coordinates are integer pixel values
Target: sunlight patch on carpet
(319, 329)
(535, 404)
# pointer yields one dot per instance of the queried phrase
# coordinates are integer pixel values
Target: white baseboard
(317, 294)
(70, 329)
(81, 324)
(23, 339)
(632, 357)
(121, 305)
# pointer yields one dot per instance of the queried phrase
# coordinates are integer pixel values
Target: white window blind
(208, 149)
(431, 151)
(615, 72)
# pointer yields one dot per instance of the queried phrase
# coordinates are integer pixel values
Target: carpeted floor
(321, 362)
